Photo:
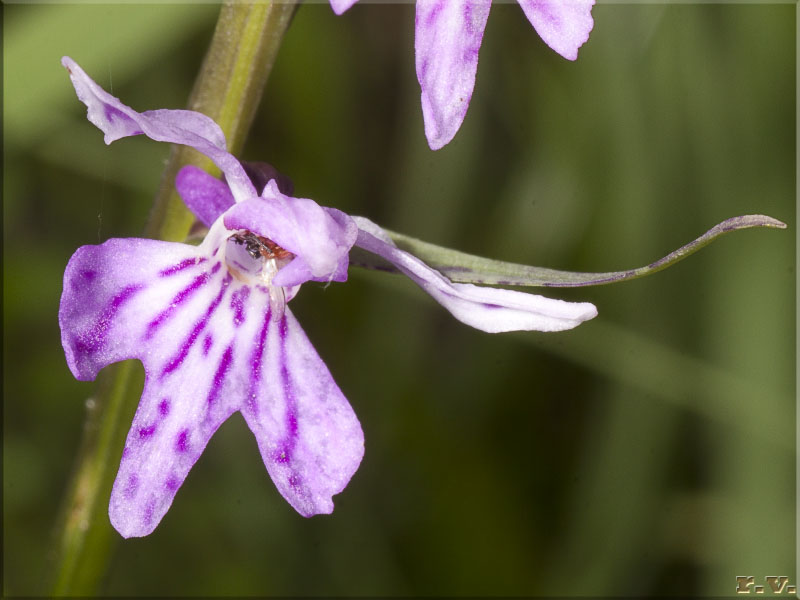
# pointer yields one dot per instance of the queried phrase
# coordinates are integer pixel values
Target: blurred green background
(649, 451)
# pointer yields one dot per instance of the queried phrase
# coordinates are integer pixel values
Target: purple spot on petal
(219, 376)
(146, 432)
(184, 264)
(172, 483)
(280, 455)
(295, 480)
(131, 486)
(163, 407)
(88, 274)
(147, 518)
(238, 298)
(182, 441)
(207, 342)
(216, 267)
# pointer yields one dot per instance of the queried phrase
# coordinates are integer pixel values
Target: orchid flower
(211, 326)
(448, 36)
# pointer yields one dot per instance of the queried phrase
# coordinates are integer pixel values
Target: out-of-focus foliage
(649, 451)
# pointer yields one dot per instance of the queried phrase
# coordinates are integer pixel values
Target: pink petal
(118, 120)
(206, 196)
(489, 309)
(113, 291)
(308, 435)
(199, 370)
(175, 308)
(447, 40)
(564, 25)
(339, 6)
(172, 426)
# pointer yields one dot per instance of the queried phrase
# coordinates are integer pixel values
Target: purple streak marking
(433, 15)
(255, 364)
(114, 114)
(219, 376)
(177, 360)
(286, 446)
(179, 299)
(184, 264)
(131, 486)
(94, 339)
(470, 29)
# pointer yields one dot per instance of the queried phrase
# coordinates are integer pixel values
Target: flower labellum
(448, 36)
(211, 325)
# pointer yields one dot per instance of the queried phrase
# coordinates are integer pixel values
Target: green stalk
(228, 89)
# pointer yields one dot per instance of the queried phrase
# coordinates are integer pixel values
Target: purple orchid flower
(211, 326)
(448, 37)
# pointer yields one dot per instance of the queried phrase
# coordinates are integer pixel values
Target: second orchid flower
(448, 38)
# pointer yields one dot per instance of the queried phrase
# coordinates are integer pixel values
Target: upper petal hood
(320, 238)
(190, 128)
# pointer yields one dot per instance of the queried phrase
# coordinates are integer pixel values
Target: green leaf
(467, 268)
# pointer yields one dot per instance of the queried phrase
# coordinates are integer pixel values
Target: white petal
(489, 309)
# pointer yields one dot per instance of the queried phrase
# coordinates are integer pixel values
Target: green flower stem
(228, 89)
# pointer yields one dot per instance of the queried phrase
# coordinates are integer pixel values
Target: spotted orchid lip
(211, 346)
(211, 326)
